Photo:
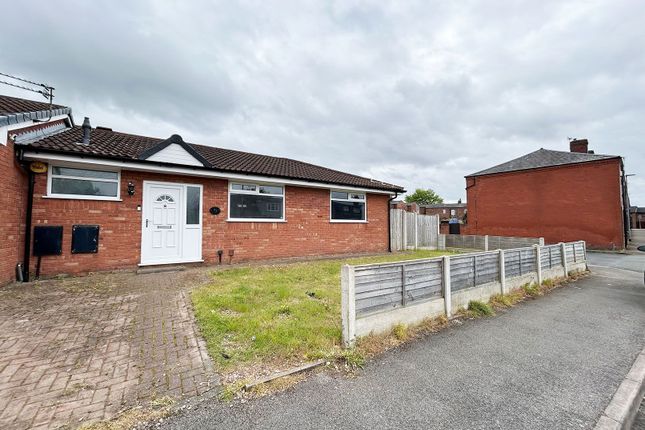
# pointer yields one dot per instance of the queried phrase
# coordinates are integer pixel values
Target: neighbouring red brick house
(561, 196)
(125, 201)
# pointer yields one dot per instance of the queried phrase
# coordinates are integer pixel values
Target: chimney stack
(87, 131)
(579, 145)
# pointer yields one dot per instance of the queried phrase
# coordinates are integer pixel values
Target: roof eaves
(37, 149)
(20, 117)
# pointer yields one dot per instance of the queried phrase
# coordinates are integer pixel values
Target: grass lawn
(279, 313)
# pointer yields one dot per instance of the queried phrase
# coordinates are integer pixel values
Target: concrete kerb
(624, 405)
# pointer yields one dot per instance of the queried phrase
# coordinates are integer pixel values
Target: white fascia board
(4, 130)
(155, 168)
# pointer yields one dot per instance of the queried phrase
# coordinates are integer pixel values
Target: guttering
(146, 166)
(17, 118)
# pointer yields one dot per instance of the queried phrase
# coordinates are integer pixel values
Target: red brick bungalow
(125, 201)
(561, 196)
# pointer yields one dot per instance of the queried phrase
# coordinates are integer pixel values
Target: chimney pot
(87, 131)
(579, 145)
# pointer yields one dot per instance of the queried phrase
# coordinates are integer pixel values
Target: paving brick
(61, 366)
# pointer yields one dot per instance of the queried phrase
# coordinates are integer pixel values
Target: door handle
(146, 223)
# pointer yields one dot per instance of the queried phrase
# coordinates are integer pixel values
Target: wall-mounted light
(130, 188)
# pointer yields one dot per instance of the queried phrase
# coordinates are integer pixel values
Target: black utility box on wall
(48, 240)
(85, 239)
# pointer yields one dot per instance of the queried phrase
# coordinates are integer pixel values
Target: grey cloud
(416, 93)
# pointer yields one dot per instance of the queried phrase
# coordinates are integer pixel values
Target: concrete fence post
(563, 252)
(348, 305)
(541, 241)
(447, 295)
(538, 263)
(502, 271)
(584, 254)
(485, 242)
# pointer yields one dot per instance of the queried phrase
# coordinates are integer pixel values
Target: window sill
(254, 220)
(67, 197)
(348, 221)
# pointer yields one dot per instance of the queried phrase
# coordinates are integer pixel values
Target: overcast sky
(417, 94)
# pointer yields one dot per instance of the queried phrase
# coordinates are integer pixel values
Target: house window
(256, 202)
(193, 205)
(347, 206)
(452, 212)
(83, 183)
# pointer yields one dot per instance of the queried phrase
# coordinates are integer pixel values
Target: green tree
(423, 197)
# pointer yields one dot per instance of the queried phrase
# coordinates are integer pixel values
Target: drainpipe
(31, 177)
(30, 205)
(389, 222)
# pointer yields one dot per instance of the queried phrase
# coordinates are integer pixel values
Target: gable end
(174, 150)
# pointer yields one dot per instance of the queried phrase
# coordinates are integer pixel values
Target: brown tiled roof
(13, 105)
(106, 143)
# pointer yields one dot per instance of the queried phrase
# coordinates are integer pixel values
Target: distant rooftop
(543, 158)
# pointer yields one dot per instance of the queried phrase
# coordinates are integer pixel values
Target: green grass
(532, 290)
(277, 313)
(480, 309)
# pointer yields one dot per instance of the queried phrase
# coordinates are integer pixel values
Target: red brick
(565, 203)
(307, 231)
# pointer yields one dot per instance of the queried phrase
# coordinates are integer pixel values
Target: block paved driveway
(82, 349)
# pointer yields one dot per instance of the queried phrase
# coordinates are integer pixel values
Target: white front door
(171, 223)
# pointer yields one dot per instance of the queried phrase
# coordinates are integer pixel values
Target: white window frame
(201, 206)
(257, 193)
(349, 199)
(52, 195)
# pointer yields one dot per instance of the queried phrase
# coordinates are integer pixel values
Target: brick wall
(567, 203)
(13, 189)
(307, 231)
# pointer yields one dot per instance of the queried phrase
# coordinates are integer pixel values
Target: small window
(73, 182)
(452, 212)
(348, 207)
(243, 187)
(193, 205)
(165, 198)
(256, 202)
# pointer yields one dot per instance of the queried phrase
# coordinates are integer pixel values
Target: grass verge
(262, 318)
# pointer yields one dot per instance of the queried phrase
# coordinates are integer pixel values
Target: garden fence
(375, 297)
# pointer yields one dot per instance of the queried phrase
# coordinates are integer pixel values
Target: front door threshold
(168, 263)
(159, 269)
